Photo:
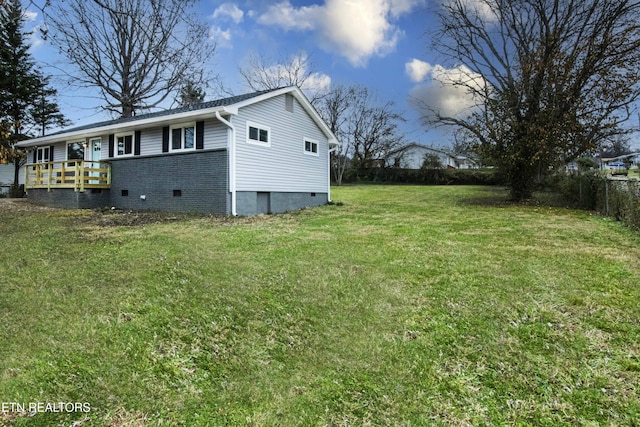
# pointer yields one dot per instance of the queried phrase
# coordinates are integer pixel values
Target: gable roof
(228, 106)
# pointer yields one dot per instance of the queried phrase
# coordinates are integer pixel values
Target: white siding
(150, 142)
(6, 177)
(215, 135)
(283, 166)
(59, 151)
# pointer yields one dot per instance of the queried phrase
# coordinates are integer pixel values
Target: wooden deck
(78, 175)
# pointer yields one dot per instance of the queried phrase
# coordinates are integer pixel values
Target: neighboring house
(6, 177)
(412, 156)
(263, 152)
(629, 159)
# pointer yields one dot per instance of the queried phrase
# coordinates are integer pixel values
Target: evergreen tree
(190, 94)
(46, 112)
(22, 89)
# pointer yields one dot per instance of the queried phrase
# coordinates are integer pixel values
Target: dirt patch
(9, 418)
(22, 205)
(128, 218)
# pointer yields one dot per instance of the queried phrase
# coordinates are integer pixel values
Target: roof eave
(128, 126)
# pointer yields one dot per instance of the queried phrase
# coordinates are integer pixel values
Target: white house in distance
(263, 152)
(412, 156)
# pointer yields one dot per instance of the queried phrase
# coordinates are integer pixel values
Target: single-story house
(7, 171)
(412, 156)
(262, 152)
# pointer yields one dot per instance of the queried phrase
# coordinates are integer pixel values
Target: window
(75, 151)
(310, 147)
(257, 134)
(43, 155)
(124, 144)
(183, 137)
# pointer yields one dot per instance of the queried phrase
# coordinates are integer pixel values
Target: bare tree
(551, 78)
(373, 130)
(263, 73)
(136, 52)
(367, 131)
(334, 109)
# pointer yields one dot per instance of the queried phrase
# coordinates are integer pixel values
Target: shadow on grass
(500, 197)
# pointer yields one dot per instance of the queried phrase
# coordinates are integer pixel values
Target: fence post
(606, 196)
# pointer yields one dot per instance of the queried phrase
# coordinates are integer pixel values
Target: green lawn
(403, 306)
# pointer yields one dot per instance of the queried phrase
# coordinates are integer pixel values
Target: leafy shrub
(593, 191)
(426, 176)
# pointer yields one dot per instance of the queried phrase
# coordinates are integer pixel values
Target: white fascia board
(302, 99)
(124, 127)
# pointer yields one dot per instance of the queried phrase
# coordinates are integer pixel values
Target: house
(263, 152)
(412, 156)
(7, 171)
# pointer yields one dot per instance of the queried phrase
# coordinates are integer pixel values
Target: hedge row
(425, 176)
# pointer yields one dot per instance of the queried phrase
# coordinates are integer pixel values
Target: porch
(71, 174)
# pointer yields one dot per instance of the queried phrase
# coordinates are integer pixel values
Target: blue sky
(381, 44)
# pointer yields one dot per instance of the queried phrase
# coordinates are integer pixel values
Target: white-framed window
(43, 155)
(124, 144)
(258, 134)
(75, 151)
(310, 147)
(182, 137)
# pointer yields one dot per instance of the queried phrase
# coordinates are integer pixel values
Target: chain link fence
(618, 198)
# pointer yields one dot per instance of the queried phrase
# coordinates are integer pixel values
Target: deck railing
(76, 174)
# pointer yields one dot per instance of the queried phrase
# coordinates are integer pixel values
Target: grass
(403, 306)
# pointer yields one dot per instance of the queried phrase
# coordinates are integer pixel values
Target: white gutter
(331, 150)
(126, 126)
(231, 150)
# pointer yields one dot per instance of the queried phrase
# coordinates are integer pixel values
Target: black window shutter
(165, 139)
(35, 155)
(136, 143)
(51, 153)
(111, 143)
(199, 135)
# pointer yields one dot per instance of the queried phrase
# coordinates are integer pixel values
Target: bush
(16, 191)
(425, 176)
(593, 191)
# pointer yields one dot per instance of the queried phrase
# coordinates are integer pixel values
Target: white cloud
(287, 17)
(398, 7)
(315, 83)
(356, 30)
(35, 37)
(30, 16)
(417, 70)
(447, 90)
(221, 37)
(229, 11)
(481, 7)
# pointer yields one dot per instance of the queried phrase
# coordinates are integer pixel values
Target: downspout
(331, 150)
(231, 149)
